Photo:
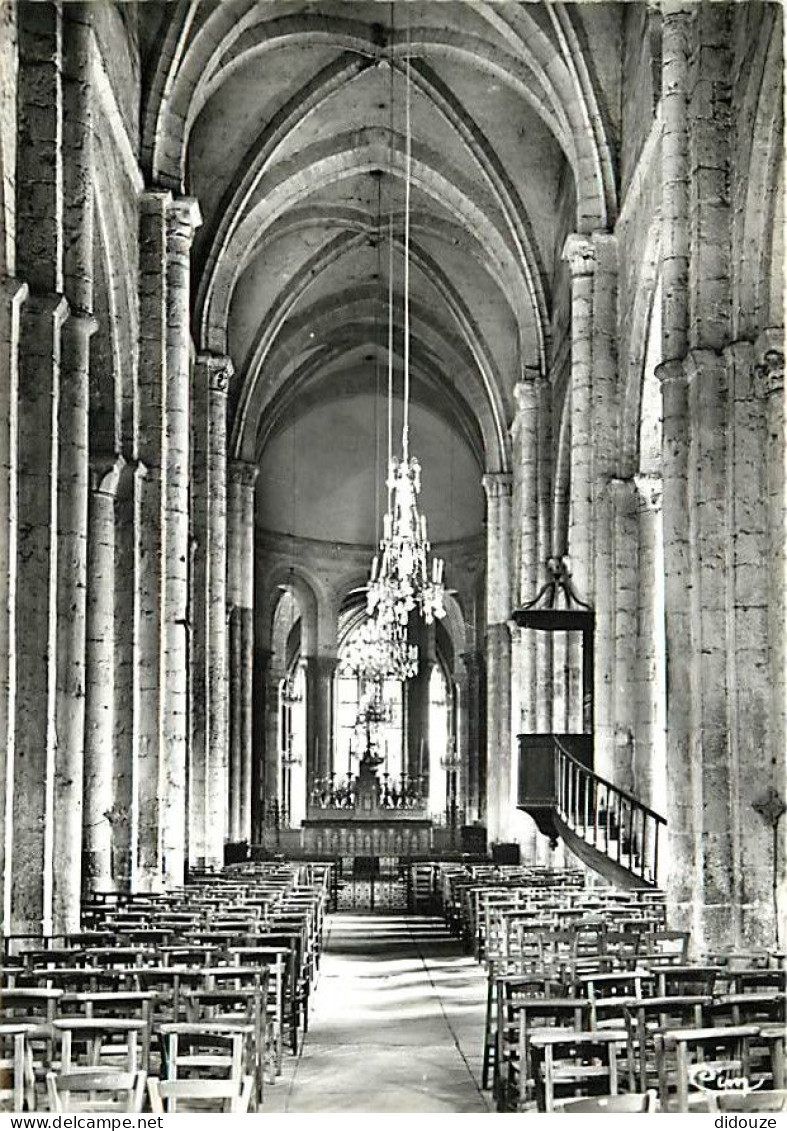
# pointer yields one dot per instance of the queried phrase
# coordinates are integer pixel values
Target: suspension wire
(377, 369)
(408, 169)
(390, 264)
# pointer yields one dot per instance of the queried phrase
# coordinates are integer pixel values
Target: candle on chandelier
(374, 568)
(423, 527)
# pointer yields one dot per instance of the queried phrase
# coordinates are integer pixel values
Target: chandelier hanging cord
(390, 269)
(407, 178)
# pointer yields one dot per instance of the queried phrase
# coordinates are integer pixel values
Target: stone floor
(396, 1024)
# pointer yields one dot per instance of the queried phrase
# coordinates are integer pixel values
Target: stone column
(651, 695)
(499, 744)
(39, 211)
(544, 653)
(613, 558)
(209, 719)
(417, 710)
(524, 434)
(273, 735)
(12, 296)
(99, 775)
(240, 596)
(263, 774)
(617, 707)
(150, 522)
(580, 252)
(769, 385)
(129, 539)
(36, 618)
(461, 685)
(320, 673)
(682, 785)
(472, 662)
(525, 440)
(73, 462)
(756, 637)
(182, 220)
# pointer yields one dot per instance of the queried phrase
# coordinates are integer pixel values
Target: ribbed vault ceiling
(287, 122)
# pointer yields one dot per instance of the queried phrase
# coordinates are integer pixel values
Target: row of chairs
(210, 980)
(588, 992)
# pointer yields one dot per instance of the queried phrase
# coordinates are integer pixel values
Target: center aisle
(396, 1026)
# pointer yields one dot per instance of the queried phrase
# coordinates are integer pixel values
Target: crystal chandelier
(400, 580)
(378, 650)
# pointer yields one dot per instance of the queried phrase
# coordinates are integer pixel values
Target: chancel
(392, 556)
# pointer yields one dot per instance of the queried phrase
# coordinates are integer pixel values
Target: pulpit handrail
(611, 820)
(608, 784)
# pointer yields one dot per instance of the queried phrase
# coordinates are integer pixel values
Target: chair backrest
(232, 1096)
(102, 1090)
(632, 1102)
(775, 1100)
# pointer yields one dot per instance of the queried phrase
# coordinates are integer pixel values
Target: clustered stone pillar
(714, 442)
(473, 664)
(618, 639)
(524, 435)
(240, 597)
(39, 200)
(613, 564)
(182, 220)
(12, 296)
(209, 718)
(275, 674)
(72, 427)
(651, 691)
(580, 253)
(149, 672)
(99, 773)
(499, 749)
(682, 794)
(320, 674)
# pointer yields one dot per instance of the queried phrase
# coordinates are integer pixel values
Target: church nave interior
(392, 547)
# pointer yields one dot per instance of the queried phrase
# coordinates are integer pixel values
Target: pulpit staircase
(606, 827)
(609, 829)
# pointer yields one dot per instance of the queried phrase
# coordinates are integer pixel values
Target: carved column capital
(497, 484)
(242, 473)
(105, 472)
(580, 253)
(183, 217)
(768, 373)
(218, 370)
(672, 370)
(651, 490)
(621, 491)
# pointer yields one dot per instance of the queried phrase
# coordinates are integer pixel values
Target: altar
(367, 816)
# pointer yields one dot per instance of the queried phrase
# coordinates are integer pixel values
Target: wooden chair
(761, 1100)
(231, 1096)
(17, 1080)
(632, 1103)
(708, 1047)
(102, 1090)
(579, 1060)
(675, 978)
(100, 1036)
(665, 946)
(133, 1004)
(214, 1046)
(519, 1019)
(646, 1017)
(247, 1005)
